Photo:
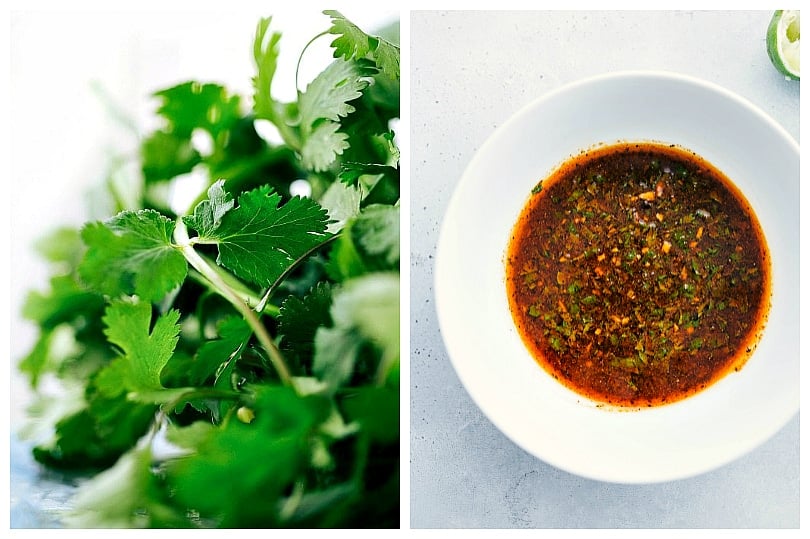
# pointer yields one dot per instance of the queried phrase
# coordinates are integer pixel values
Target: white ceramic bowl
(692, 436)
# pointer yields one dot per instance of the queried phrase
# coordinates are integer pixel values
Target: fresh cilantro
(265, 54)
(326, 100)
(298, 321)
(366, 310)
(342, 202)
(215, 353)
(352, 42)
(352, 172)
(62, 303)
(132, 253)
(278, 438)
(369, 242)
(234, 362)
(329, 95)
(166, 155)
(323, 145)
(35, 363)
(208, 213)
(144, 352)
(259, 239)
(187, 109)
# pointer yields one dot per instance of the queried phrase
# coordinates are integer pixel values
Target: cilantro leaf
(260, 239)
(323, 145)
(192, 105)
(376, 233)
(97, 434)
(369, 242)
(165, 155)
(265, 54)
(386, 56)
(328, 95)
(342, 202)
(352, 42)
(132, 253)
(336, 351)
(377, 411)
(65, 301)
(124, 496)
(112, 499)
(35, 362)
(62, 246)
(208, 213)
(298, 321)
(188, 108)
(365, 310)
(322, 105)
(370, 304)
(272, 451)
(351, 172)
(233, 334)
(144, 352)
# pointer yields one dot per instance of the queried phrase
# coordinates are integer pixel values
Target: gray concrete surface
(470, 71)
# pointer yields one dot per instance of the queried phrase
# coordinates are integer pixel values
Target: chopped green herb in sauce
(638, 275)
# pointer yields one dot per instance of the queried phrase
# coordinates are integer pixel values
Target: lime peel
(783, 40)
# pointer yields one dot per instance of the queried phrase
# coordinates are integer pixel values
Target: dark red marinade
(638, 274)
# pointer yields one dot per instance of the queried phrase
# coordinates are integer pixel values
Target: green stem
(262, 304)
(387, 362)
(293, 501)
(247, 295)
(202, 393)
(199, 264)
(301, 56)
(288, 134)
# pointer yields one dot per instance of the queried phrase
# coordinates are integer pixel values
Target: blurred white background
(80, 91)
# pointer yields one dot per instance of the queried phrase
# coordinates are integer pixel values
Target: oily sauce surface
(638, 274)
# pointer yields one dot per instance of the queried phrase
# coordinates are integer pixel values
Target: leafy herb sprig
(236, 364)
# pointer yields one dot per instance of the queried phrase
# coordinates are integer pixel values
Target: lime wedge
(783, 43)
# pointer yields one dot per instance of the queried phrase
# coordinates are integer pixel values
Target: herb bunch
(237, 364)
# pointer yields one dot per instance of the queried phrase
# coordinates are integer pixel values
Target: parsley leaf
(132, 253)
